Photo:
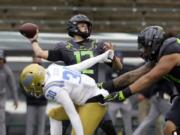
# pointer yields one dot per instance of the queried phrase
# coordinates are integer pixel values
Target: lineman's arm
(126, 78)
(64, 99)
(131, 76)
(92, 61)
(164, 66)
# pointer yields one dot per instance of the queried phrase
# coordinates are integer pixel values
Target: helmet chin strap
(85, 34)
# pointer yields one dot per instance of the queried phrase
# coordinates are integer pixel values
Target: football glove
(108, 56)
(119, 96)
(115, 96)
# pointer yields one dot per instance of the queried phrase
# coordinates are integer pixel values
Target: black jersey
(74, 52)
(170, 46)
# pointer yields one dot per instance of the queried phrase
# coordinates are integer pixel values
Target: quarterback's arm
(92, 61)
(39, 52)
(116, 62)
(64, 99)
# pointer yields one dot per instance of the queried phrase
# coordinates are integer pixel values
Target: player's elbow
(41, 54)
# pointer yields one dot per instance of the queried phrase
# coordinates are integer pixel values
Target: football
(28, 30)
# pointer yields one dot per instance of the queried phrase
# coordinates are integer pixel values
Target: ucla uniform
(80, 87)
(75, 91)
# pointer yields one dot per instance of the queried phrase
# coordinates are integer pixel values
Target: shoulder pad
(61, 45)
(170, 40)
(167, 46)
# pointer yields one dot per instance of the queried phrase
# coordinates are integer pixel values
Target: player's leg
(66, 127)
(41, 119)
(30, 119)
(151, 117)
(91, 114)
(2, 115)
(55, 127)
(173, 117)
(57, 115)
(113, 107)
(107, 125)
(126, 110)
(164, 106)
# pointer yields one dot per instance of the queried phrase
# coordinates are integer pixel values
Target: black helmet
(72, 26)
(151, 39)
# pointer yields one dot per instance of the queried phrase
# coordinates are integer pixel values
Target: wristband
(109, 86)
(127, 92)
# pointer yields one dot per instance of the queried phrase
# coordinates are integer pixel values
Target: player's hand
(35, 38)
(115, 96)
(108, 56)
(108, 46)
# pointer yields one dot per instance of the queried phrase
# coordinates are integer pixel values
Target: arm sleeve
(57, 53)
(11, 82)
(87, 63)
(64, 99)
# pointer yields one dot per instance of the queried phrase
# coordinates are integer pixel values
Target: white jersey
(67, 86)
(80, 87)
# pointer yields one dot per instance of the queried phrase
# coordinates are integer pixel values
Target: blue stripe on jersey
(55, 83)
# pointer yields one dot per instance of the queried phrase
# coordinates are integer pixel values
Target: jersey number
(79, 54)
(70, 75)
(51, 94)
